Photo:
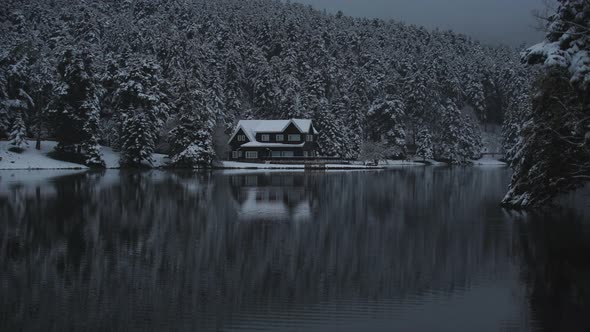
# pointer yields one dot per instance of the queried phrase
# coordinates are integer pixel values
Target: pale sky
(491, 21)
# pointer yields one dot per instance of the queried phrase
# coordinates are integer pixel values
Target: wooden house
(273, 140)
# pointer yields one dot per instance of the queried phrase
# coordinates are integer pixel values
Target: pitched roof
(252, 127)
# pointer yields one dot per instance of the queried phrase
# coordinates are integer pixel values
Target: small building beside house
(273, 140)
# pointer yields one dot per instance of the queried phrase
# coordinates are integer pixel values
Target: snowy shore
(39, 159)
(33, 159)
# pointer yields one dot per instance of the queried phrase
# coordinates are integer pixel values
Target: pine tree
(330, 139)
(17, 134)
(142, 99)
(138, 140)
(75, 110)
(424, 145)
(457, 139)
(552, 153)
(191, 140)
(386, 123)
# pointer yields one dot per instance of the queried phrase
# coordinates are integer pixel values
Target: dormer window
(265, 138)
(309, 138)
(280, 138)
(294, 138)
(241, 138)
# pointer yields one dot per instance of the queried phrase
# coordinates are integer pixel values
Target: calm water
(415, 249)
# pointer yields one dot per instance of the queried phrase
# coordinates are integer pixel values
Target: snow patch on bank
(38, 159)
(488, 162)
(32, 158)
(112, 158)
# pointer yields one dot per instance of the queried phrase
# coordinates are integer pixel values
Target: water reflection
(272, 197)
(340, 251)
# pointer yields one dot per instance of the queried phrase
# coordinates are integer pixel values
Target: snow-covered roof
(252, 127)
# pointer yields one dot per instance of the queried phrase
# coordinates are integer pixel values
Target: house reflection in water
(271, 197)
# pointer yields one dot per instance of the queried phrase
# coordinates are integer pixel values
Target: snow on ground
(486, 161)
(111, 158)
(32, 158)
(38, 159)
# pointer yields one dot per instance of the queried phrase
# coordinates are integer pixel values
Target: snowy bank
(39, 159)
(488, 162)
(32, 158)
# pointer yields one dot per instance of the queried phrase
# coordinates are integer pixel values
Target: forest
(173, 77)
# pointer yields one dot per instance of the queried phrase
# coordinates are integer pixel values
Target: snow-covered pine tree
(457, 140)
(552, 155)
(18, 133)
(4, 117)
(424, 145)
(357, 107)
(191, 141)
(517, 112)
(138, 140)
(75, 110)
(199, 153)
(142, 99)
(331, 139)
(385, 122)
(16, 101)
(567, 42)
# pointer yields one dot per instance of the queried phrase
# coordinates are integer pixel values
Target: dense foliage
(168, 67)
(553, 153)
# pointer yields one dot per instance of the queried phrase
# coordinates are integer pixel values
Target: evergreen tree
(457, 141)
(330, 139)
(138, 140)
(386, 123)
(141, 97)
(424, 145)
(75, 109)
(191, 141)
(552, 153)
(17, 134)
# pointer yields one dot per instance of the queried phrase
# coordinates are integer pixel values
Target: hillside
(172, 76)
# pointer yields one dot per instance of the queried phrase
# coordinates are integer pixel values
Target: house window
(241, 138)
(276, 154)
(235, 154)
(265, 138)
(294, 138)
(288, 154)
(280, 138)
(305, 154)
(251, 154)
(309, 138)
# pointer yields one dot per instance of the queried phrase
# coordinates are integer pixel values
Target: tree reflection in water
(198, 250)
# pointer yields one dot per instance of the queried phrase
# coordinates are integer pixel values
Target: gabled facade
(273, 139)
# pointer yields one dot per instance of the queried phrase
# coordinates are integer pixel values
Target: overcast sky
(493, 21)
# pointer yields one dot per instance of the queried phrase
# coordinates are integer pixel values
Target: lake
(409, 249)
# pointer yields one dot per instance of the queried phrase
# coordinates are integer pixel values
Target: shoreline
(32, 159)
